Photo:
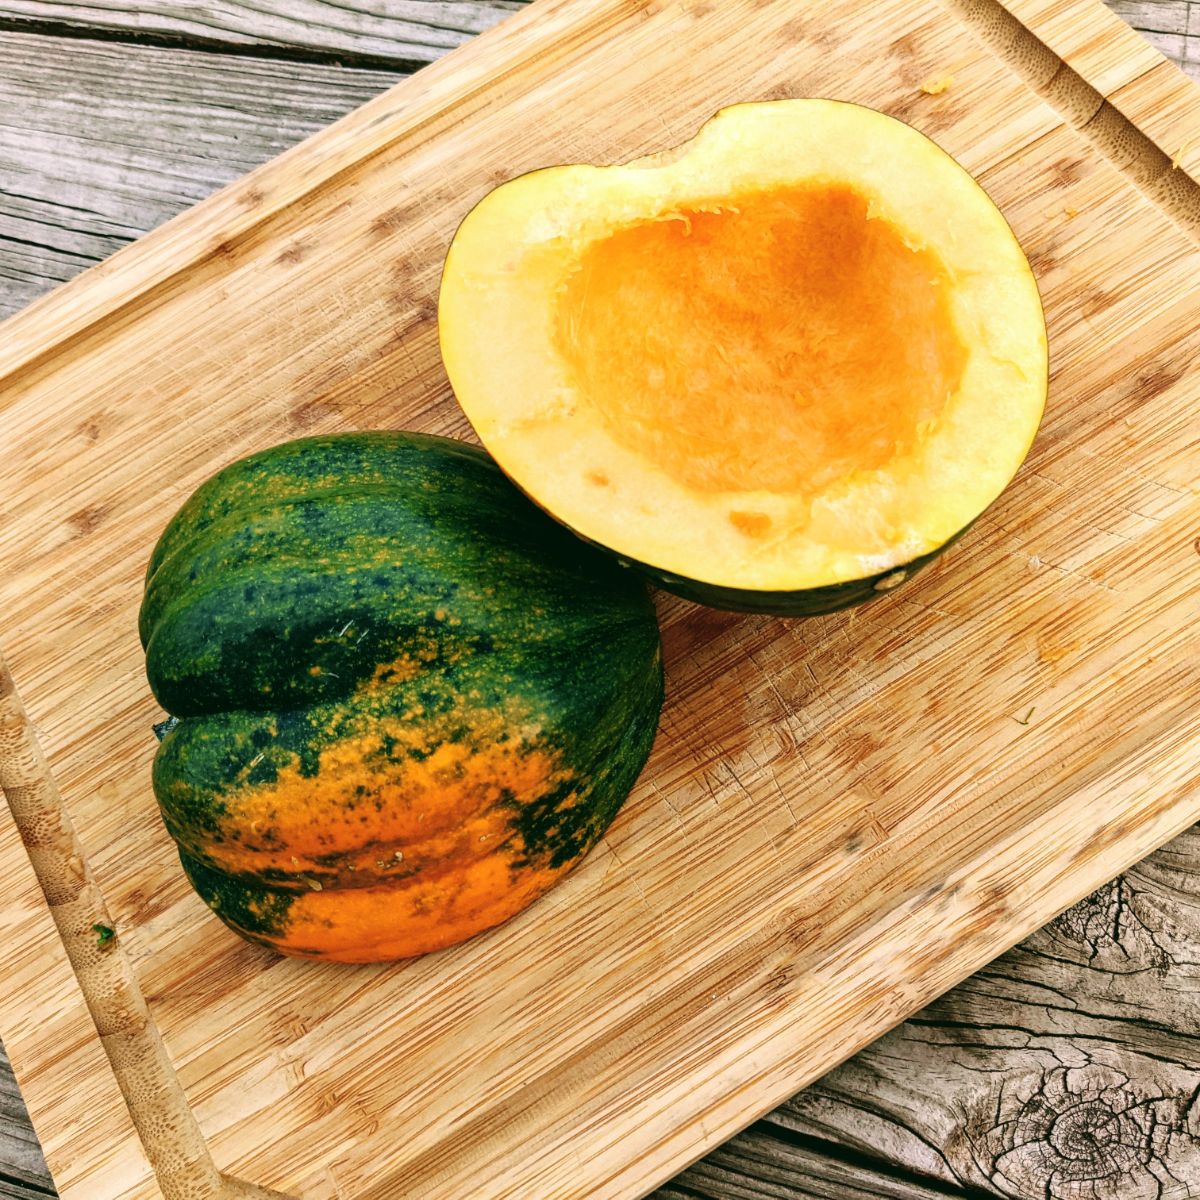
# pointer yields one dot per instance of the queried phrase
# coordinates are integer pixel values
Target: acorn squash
(778, 368)
(408, 702)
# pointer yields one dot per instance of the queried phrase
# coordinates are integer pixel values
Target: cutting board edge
(1163, 163)
(43, 868)
(1179, 818)
(171, 1158)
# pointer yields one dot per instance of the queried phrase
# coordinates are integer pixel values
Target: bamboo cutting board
(842, 817)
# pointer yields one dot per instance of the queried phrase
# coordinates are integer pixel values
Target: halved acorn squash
(778, 368)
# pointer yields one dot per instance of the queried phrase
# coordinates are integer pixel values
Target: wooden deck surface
(1069, 1069)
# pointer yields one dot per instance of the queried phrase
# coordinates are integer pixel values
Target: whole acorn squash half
(779, 368)
(407, 701)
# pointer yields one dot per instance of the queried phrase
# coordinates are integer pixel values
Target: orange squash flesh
(786, 326)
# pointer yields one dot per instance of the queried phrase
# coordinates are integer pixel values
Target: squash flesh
(820, 233)
(778, 341)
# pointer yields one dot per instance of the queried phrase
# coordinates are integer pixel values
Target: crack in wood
(350, 32)
(859, 1159)
(195, 43)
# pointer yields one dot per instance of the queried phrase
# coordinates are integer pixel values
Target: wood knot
(310, 413)
(293, 253)
(393, 220)
(87, 519)
(1067, 171)
(1087, 1131)
(1159, 378)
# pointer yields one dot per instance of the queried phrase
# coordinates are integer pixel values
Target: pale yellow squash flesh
(802, 349)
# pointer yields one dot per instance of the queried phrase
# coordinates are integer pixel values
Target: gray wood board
(1068, 1068)
(100, 142)
(398, 32)
(23, 1173)
(1173, 26)
(406, 31)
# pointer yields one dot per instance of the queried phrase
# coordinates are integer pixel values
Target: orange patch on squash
(389, 855)
(386, 922)
(752, 524)
(409, 796)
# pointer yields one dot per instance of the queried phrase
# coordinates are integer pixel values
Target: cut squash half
(778, 368)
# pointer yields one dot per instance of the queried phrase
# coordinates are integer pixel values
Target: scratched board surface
(841, 817)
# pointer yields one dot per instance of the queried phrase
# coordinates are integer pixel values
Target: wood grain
(102, 142)
(48, 1029)
(712, 653)
(1171, 26)
(402, 32)
(769, 1161)
(1072, 1061)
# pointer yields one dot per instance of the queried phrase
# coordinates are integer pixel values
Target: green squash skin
(597, 712)
(605, 764)
(254, 580)
(289, 581)
(807, 602)
(258, 914)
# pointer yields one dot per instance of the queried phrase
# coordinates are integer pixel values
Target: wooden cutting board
(842, 817)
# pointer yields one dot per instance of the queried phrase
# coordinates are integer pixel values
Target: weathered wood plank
(1072, 1060)
(1068, 1067)
(402, 31)
(771, 1162)
(101, 142)
(1172, 26)
(411, 31)
(23, 1172)
(12, 1190)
